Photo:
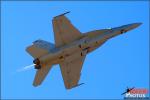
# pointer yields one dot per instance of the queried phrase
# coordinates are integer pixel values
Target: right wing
(64, 31)
(71, 70)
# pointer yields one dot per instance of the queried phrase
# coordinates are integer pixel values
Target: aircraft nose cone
(134, 25)
(129, 27)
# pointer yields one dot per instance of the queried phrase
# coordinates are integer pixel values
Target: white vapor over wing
(25, 68)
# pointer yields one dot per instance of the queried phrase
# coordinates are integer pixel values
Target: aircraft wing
(40, 75)
(64, 31)
(71, 70)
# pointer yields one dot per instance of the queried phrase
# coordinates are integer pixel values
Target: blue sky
(122, 61)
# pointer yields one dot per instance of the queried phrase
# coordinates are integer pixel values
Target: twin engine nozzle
(37, 63)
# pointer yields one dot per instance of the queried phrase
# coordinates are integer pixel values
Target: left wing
(71, 70)
(64, 31)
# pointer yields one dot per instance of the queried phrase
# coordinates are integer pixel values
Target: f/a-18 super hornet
(69, 50)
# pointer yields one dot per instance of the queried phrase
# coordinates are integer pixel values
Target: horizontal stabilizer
(39, 48)
(35, 51)
(40, 75)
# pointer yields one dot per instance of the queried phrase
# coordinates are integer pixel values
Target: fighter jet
(70, 49)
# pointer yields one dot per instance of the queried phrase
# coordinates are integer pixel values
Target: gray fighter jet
(69, 50)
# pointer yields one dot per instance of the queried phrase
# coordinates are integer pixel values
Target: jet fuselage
(85, 44)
